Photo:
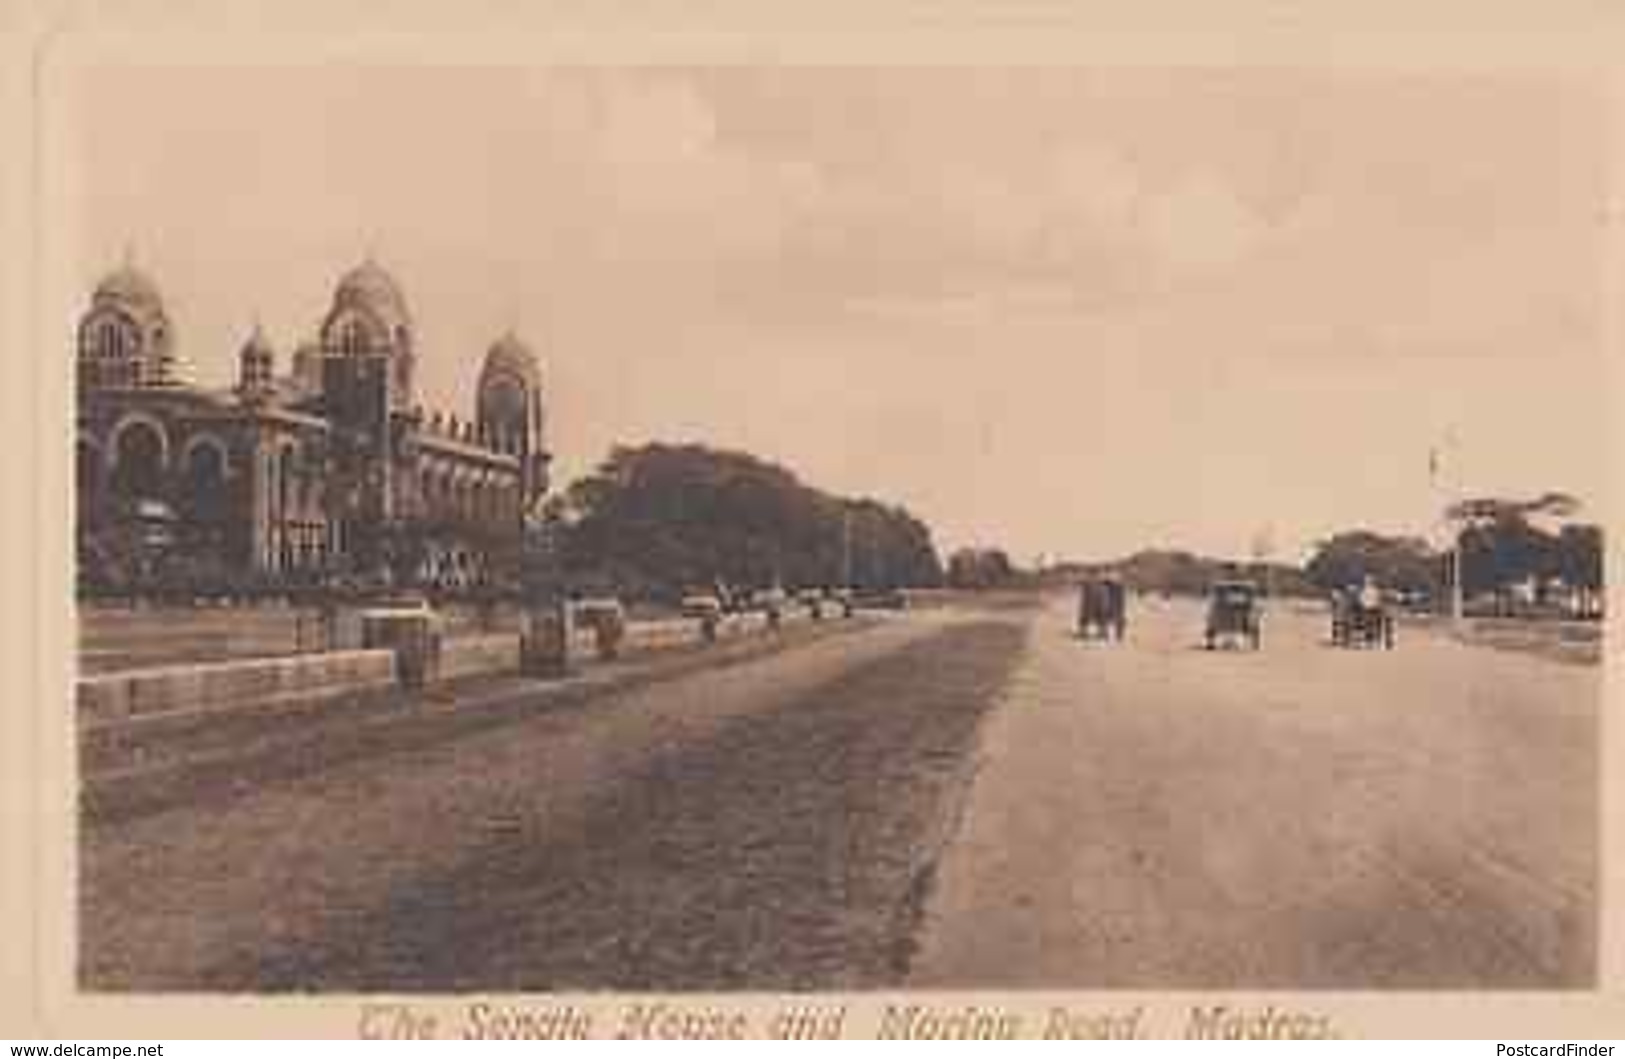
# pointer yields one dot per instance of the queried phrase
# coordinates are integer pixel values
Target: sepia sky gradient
(1072, 312)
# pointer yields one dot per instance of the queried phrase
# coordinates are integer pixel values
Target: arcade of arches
(290, 477)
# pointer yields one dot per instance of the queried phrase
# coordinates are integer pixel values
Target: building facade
(330, 470)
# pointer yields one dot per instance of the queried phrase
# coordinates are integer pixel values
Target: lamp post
(846, 547)
(1453, 555)
(544, 648)
(846, 559)
(1263, 549)
(1458, 594)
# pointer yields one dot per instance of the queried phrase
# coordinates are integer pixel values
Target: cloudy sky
(1069, 311)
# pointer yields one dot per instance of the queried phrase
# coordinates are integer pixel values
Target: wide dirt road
(1154, 815)
(768, 825)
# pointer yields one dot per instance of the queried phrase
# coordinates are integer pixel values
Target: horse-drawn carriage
(1361, 618)
(1102, 609)
(1233, 615)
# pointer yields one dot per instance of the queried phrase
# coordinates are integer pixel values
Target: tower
(508, 411)
(369, 320)
(367, 360)
(124, 338)
(256, 367)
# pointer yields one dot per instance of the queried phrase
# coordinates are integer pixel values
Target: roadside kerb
(345, 727)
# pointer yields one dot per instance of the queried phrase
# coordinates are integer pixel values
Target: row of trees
(1178, 572)
(979, 568)
(1503, 549)
(1158, 570)
(1502, 546)
(1529, 550)
(655, 520)
(1408, 564)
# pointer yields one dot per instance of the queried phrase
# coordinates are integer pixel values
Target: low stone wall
(1562, 640)
(223, 686)
(981, 599)
(1549, 630)
(466, 656)
(198, 691)
(460, 620)
(665, 633)
(114, 639)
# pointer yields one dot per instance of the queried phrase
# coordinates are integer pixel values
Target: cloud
(661, 184)
(1094, 185)
(941, 256)
(1199, 225)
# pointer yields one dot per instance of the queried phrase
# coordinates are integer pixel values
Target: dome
(258, 345)
(131, 290)
(259, 348)
(510, 356)
(369, 288)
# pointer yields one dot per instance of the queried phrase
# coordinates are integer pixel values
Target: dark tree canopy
(1179, 572)
(1396, 562)
(656, 520)
(1579, 548)
(1502, 551)
(1500, 548)
(980, 568)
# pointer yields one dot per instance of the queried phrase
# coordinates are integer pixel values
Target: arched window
(110, 347)
(87, 476)
(350, 337)
(114, 339)
(206, 481)
(286, 470)
(109, 341)
(503, 401)
(138, 472)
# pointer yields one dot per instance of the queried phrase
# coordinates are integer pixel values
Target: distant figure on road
(1360, 616)
(1232, 614)
(1102, 609)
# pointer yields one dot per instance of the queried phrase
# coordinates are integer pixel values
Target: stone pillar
(544, 645)
(259, 515)
(414, 636)
(544, 639)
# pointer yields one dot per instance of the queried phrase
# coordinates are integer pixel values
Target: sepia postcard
(928, 522)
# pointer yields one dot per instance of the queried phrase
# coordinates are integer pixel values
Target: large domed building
(328, 470)
(124, 340)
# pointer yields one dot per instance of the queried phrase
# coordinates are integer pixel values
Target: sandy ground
(768, 825)
(1154, 815)
(951, 799)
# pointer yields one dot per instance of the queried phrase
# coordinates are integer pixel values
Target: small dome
(369, 288)
(131, 290)
(510, 356)
(259, 345)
